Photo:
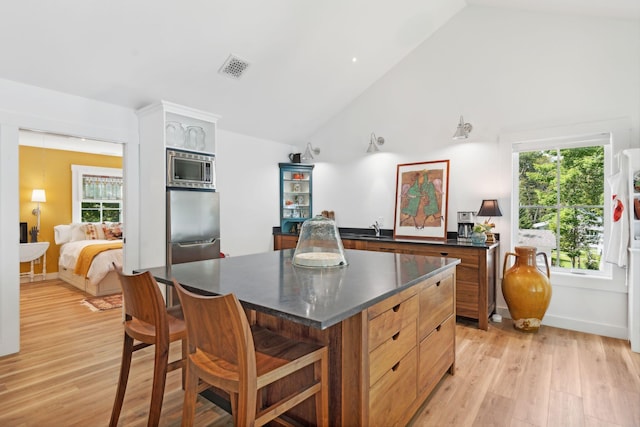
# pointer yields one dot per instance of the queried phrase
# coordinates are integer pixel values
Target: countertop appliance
(190, 170)
(466, 220)
(193, 225)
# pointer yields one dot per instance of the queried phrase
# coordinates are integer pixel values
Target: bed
(87, 254)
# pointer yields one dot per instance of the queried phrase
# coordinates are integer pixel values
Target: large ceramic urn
(526, 289)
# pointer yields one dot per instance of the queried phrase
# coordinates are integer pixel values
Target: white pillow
(77, 232)
(62, 233)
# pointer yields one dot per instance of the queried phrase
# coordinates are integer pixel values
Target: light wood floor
(66, 374)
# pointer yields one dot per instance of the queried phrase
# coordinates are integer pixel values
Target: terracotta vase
(526, 289)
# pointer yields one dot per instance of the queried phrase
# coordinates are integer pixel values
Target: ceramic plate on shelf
(175, 134)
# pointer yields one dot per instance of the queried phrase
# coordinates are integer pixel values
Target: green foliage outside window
(562, 190)
(101, 212)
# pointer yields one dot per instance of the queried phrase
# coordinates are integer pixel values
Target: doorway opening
(46, 164)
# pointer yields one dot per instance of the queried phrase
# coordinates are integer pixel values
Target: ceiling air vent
(233, 67)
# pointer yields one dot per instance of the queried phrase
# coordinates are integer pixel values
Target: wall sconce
(373, 148)
(489, 208)
(309, 152)
(463, 130)
(38, 196)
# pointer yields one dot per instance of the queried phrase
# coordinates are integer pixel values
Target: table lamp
(38, 196)
(489, 208)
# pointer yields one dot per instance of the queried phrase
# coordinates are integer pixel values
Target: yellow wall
(51, 170)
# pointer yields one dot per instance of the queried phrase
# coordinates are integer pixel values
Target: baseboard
(577, 325)
(38, 277)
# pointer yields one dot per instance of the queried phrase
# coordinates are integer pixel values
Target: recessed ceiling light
(354, 59)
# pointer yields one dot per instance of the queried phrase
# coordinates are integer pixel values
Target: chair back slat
(143, 300)
(218, 326)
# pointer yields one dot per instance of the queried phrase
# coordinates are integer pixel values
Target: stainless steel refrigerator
(193, 225)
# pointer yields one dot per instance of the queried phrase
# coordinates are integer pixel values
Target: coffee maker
(465, 225)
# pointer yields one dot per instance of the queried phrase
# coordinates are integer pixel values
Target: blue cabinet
(296, 196)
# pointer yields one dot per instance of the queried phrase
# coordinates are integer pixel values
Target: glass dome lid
(319, 244)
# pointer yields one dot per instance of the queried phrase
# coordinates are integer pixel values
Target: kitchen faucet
(376, 227)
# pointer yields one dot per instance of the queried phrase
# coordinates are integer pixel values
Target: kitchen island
(388, 320)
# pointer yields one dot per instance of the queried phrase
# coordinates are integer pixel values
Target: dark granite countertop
(387, 236)
(316, 297)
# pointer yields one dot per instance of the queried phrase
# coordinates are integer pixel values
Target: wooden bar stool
(225, 352)
(148, 321)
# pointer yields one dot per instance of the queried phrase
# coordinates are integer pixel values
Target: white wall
(248, 181)
(23, 106)
(505, 71)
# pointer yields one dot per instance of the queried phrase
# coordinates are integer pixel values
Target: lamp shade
(489, 207)
(38, 195)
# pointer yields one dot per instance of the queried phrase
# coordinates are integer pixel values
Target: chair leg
(184, 363)
(159, 379)
(321, 373)
(190, 395)
(233, 397)
(125, 365)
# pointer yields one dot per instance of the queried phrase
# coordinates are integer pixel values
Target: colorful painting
(421, 200)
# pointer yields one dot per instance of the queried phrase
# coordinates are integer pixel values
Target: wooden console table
(476, 274)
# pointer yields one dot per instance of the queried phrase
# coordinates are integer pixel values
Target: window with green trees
(561, 201)
(97, 194)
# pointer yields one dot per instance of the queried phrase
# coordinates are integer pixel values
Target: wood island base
(383, 361)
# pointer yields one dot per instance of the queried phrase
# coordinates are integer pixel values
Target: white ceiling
(301, 73)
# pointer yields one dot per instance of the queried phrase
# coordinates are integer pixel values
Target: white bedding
(102, 264)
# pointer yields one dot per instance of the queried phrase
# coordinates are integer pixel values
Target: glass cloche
(319, 244)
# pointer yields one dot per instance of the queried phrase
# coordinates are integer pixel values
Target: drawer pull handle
(395, 336)
(438, 283)
(396, 308)
(438, 328)
(395, 367)
(444, 253)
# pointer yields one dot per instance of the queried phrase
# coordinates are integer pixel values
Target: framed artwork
(422, 195)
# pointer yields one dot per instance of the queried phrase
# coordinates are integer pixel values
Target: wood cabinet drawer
(467, 295)
(389, 317)
(436, 304)
(437, 353)
(394, 393)
(282, 241)
(354, 244)
(467, 256)
(467, 273)
(391, 351)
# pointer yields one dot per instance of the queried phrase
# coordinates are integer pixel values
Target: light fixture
(490, 208)
(38, 196)
(309, 152)
(463, 130)
(373, 148)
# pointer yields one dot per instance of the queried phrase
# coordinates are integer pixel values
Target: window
(97, 194)
(560, 187)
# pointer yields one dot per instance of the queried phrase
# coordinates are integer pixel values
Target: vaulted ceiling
(307, 59)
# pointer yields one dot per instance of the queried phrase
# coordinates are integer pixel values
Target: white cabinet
(152, 125)
(634, 249)
(634, 196)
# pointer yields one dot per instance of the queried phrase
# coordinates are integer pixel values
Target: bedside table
(29, 252)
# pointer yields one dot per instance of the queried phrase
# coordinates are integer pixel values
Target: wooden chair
(148, 321)
(225, 352)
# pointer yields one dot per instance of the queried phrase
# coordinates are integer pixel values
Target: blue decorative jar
(478, 238)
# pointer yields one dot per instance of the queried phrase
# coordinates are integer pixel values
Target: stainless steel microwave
(190, 170)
